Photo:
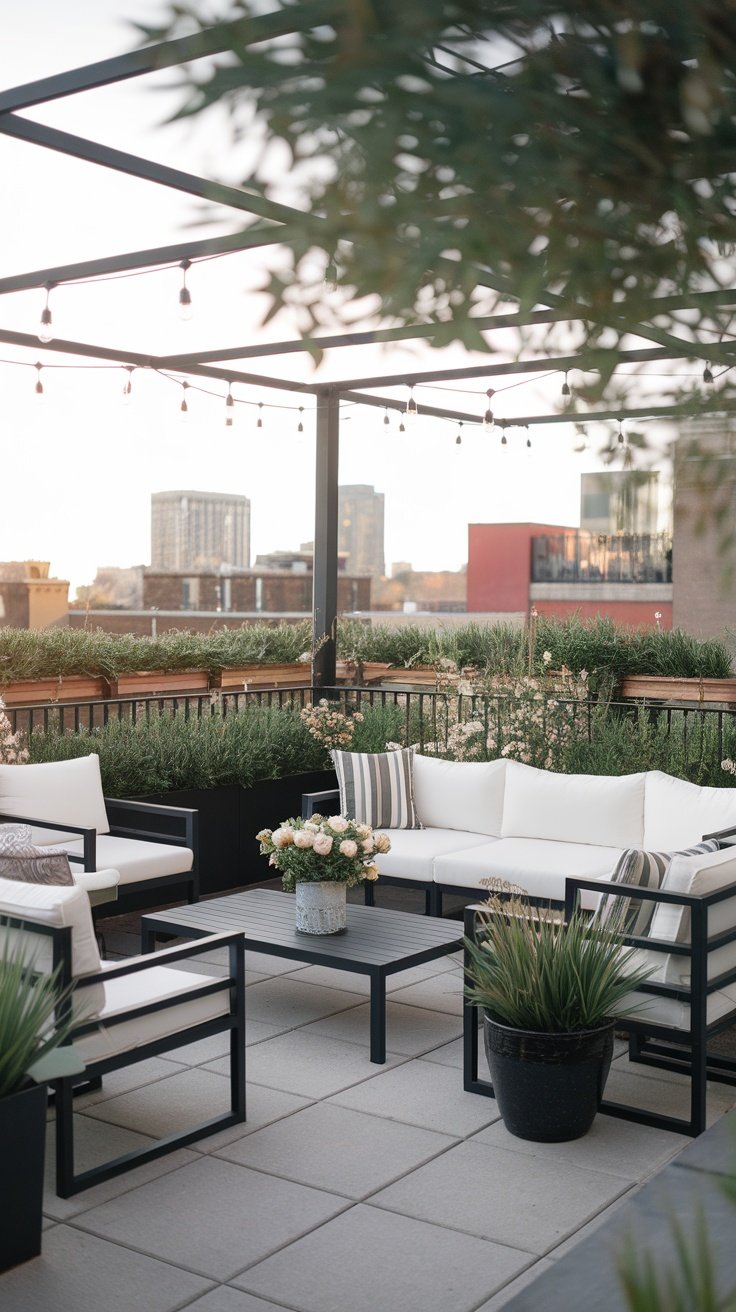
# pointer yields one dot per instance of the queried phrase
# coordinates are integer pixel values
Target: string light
(185, 296)
(504, 439)
(459, 438)
(386, 420)
(184, 408)
(128, 384)
(565, 390)
(411, 411)
(707, 375)
(621, 433)
(331, 275)
(300, 425)
(39, 384)
(45, 333)
(402, 427)
(488, 419)
(259, 420)
(229, 406)
(528, 439)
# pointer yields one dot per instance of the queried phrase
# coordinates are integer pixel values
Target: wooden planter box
(150, 682)
(361, 673)
(422, 676)
(295, 674)
(66, 688)
(656, 688)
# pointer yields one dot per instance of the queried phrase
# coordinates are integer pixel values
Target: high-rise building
(360, 528)
(199, 530)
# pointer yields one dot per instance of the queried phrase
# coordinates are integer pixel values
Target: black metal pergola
(267, 223)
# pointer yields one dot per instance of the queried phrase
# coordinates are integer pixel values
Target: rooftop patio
(350, 1187)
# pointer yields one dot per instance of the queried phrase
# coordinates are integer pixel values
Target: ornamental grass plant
(30, 1036)
(532, 971)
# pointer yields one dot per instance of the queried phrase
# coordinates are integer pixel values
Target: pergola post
(324, 605)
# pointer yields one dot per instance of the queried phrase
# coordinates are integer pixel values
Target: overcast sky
(79, 465)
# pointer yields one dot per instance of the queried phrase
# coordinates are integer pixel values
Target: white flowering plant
(332, 848)
(12, 748)
(328, 724)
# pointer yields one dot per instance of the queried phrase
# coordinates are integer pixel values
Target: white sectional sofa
(536, 828)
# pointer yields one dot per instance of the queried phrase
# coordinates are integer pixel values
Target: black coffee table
(377, 943)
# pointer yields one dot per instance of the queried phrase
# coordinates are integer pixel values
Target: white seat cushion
(537, 865)
(136, 859)
(678, 813)
(465, 795)
(147, 986)
(413, 851)
(697, 875)
(671, 1011)
(66, 791)
(575, 808)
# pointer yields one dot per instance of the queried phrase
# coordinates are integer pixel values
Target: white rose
(303, 838)
(349, 847)
(282, 837)
(337, 823)
(323, 844)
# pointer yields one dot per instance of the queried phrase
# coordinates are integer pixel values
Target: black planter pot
(229, 819)
(548, 1086)
(22, 1151)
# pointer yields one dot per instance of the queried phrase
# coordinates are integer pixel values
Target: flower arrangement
(12, 749)
(331, 727)
(331, 849)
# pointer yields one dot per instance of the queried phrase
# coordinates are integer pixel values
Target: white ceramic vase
(321, 908)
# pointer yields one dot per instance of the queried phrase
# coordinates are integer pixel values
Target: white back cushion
(50, 904)
(573, 808)
(465, 795)
(706, 873)
(678, 813)
(65, 791)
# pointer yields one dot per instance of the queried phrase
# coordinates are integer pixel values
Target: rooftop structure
(198, 530)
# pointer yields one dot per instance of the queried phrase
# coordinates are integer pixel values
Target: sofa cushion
(413, 851)
(678, 814)
(537, 865)
(65, 791)
(136, 859)
(672, 1011)
(376, 788)
(696, 875)
(465, 795)
(574, 808)
(633, 915)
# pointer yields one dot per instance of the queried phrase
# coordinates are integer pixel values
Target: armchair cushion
(137, 859)
(47, 904)
(63, 791)
(154, 985)
(696, 875)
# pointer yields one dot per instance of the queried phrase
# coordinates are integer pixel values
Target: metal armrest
(726, 837)
(185, 818)
(311, 802)
(132, 965)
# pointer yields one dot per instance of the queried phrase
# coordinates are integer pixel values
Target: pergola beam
(166, 54)
(161, 256)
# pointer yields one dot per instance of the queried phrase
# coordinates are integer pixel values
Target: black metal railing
(433, 720)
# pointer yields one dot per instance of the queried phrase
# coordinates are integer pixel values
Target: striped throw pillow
(633, 915)
(377, 788)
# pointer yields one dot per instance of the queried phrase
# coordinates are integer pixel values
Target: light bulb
(488, 419)
(504, 440)
(45, 331)
(184, 407)
(565, 386)
(39, 384)
(185, 296)
(386, 420)
(128, 385)
(411, 411)
(707, 374)
(259, 421)
(229, 408)
(300, 425)
(402, 427)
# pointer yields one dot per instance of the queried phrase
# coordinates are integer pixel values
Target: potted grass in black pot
(33, 1052)
(549, 991)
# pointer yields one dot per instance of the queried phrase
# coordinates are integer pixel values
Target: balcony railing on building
(586, 557)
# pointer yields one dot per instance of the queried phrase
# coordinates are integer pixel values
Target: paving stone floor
(351, 1188)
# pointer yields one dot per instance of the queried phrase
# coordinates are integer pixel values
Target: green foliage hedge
(606, 650)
